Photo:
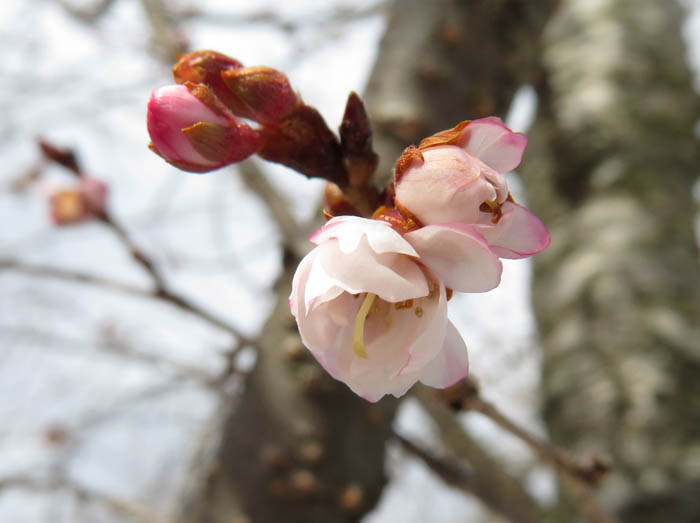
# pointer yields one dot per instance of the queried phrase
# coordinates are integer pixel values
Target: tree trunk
(610, 167)
(445, 61)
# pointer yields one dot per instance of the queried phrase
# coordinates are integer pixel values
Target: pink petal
(448, 187)
(426, 344)
(494, 144)
(459, 254)
(171, 109)
(399, 343)
(349, 230)
(518, 233)
(451, 364)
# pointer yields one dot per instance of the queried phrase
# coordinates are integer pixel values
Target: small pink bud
(77, 204)
(94, 192)
(192, 130)
(263, 94)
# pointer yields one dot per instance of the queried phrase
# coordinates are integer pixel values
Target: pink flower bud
(192, 130)
(372, 313)
(258, 93)
(94, 192)
(77, 204)
(456, 177)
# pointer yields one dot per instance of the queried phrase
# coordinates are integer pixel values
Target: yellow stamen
(406, 304)
(358, 338)
(419, 311)
(433, 288)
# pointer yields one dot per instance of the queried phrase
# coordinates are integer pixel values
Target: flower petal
(425, 344)
(399, 342)
(451, 364)
(459, 254)
(449, 186)
(393, 277)
(349, 230)
(494, 144)
(518, 233)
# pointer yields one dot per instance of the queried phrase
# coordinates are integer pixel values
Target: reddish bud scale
(303, 142)
(261, 93)
(401, 222)
(205, 67)
(410, 157)
(336, 203)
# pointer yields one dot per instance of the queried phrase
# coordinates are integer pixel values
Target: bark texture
(610, 167)
(445, 61)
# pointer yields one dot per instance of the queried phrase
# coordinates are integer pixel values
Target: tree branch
(492, 485)
(578, 476)
(134, 511)
(162, 294)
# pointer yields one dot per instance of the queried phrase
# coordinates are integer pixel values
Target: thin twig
(68, 275)
(88, 13)
(453, 474)
(496, 488)
(132, 510)
(577, 476)
(161, 294)
(588, 473)
(68, 159)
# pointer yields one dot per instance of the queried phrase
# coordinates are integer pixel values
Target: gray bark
(445, 61)
(610, 166)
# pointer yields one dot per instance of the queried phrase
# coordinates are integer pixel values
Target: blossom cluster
(199, 124)
(370, 299)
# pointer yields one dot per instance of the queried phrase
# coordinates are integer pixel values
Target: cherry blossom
(456, 176)
(372, 314)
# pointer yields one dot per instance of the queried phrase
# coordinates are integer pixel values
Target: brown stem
(577, 476)
(133, 511)
(162, 294)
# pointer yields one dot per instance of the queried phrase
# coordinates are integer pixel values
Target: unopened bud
(192, 130)
(77, 204)
(94, 192)
(205, 67)
(303, 142)
(262, 94)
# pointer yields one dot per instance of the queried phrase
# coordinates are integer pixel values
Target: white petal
(451, 364)
(320, 287)
(393, 277)
(349, 230)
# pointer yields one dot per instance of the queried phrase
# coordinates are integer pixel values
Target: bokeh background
(106, 397)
